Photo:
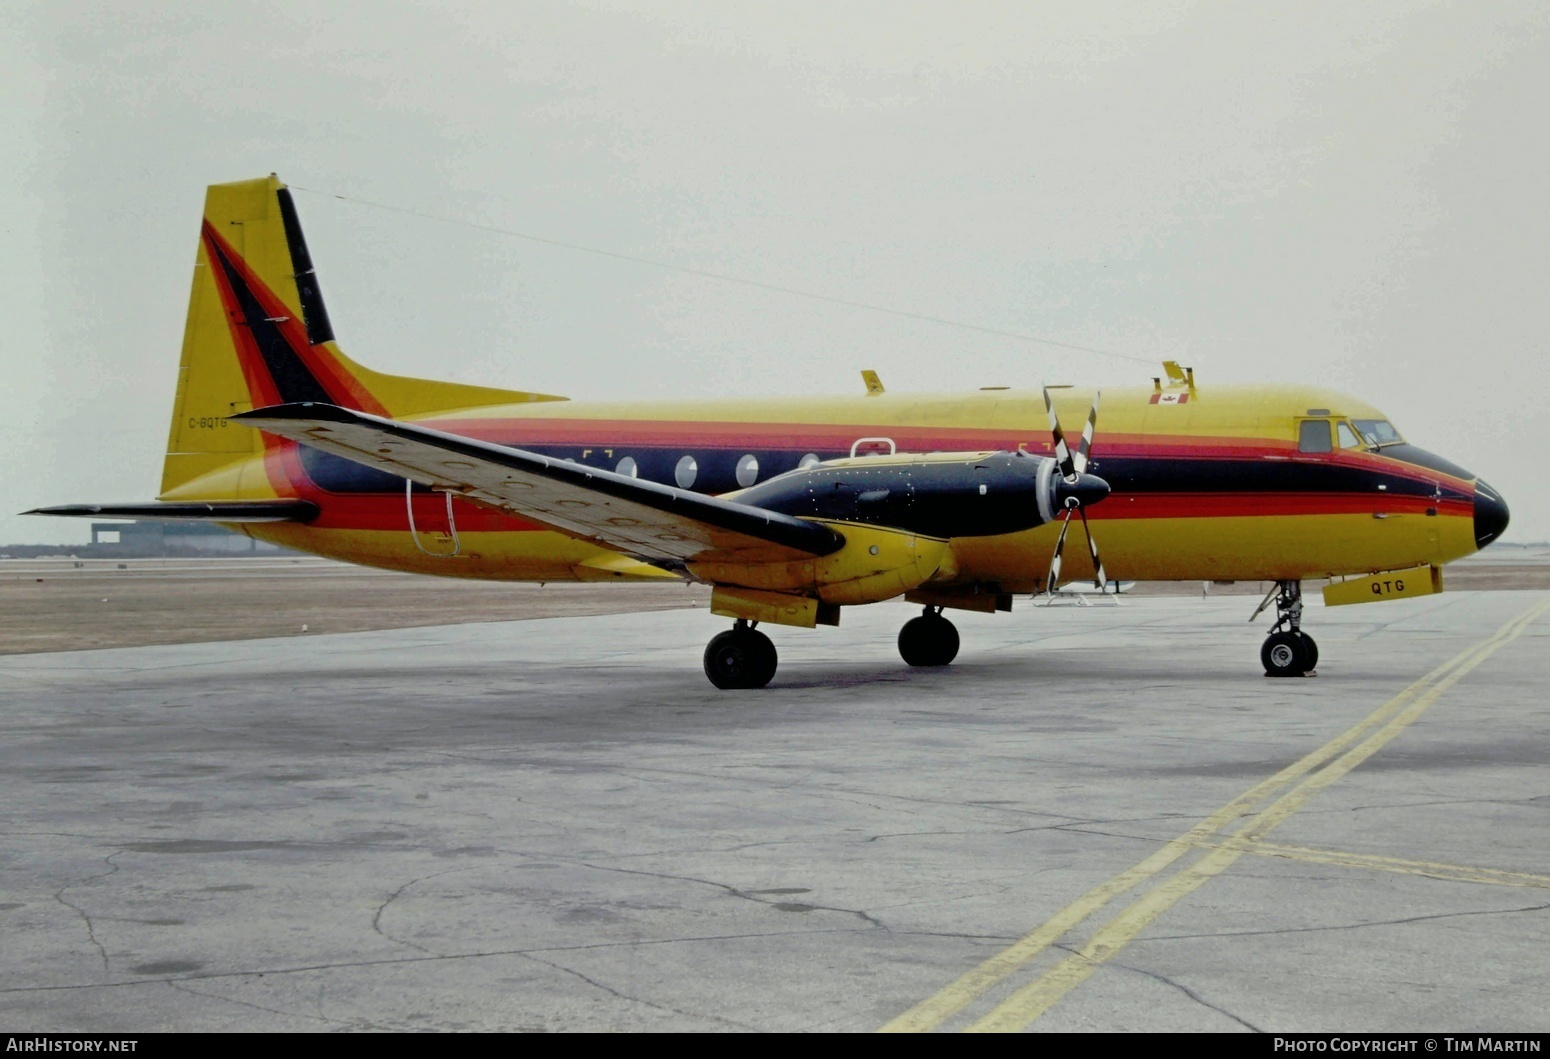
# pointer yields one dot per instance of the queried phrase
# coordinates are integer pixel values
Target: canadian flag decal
(1169, 398)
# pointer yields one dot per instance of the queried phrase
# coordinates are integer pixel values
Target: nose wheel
(740, 658)
(929, 640)
(1288, 651)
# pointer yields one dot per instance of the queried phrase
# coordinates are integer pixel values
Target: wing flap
(645, 520)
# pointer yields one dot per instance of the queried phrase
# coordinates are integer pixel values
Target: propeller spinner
(1076, 490)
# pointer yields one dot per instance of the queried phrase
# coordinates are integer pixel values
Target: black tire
(1285, 654)
(1311, 653)
(929, 640)
(740, 658)
(765, 659)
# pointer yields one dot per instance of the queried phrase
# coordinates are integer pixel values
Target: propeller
(1076, 490)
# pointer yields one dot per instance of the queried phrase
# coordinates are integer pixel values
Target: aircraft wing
(652, 522)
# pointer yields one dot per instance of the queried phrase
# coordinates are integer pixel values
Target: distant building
(153, 539)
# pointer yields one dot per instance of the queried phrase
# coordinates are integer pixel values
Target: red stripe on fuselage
(375, 511)
(1263, 505)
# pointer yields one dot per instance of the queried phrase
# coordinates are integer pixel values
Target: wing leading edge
(645, 520)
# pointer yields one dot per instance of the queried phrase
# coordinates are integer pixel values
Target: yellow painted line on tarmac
(1430, 869)
(936, 1009)
(1032, 1000)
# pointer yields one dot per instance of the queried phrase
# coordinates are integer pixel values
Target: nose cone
(1086, 490)
(1490, 514)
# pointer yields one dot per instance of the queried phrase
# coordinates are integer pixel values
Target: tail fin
(258, 334)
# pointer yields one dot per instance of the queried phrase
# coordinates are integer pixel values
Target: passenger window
(1313, 436)
(1347, 436)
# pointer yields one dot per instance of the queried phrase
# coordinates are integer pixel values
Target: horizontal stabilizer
(193, 511)
(646, 520)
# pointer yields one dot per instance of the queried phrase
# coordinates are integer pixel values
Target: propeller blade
(1062, 451)
(1076, 491)
(1100, 579)
(1060, 543)
(1087, 436)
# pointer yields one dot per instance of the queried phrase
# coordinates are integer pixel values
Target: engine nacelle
(950, 494)
(896, 515)
(875, 564)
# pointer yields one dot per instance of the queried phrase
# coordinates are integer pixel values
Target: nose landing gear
(929, 640)
(1288, 651)
(740, 658)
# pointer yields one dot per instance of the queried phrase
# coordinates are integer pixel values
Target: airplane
(790, 509)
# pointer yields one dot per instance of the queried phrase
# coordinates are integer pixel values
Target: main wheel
(1312, 650)
(929, 640)
(1286, 654)
(765, 658)
(740, 658)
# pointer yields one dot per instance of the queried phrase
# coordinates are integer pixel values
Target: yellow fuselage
(1208, 483)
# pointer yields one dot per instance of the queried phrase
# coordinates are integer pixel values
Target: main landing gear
(929, 640)
(744, 658)
(741, 657)
(1288, 651)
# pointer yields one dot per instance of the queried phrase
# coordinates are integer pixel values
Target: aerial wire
(724, 278)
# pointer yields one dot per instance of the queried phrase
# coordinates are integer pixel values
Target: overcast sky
(1352, 194)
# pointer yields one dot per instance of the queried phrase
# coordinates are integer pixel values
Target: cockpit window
(1346, 436)
(1313, 436)
(1378, 432)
